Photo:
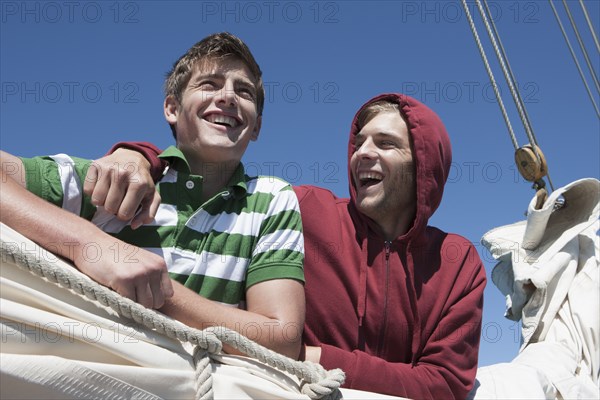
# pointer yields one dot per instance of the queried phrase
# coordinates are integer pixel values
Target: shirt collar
(177, 160)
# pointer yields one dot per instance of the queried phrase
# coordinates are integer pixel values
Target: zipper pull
(388, 248)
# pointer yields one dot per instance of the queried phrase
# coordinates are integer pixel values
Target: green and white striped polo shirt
(249, 233)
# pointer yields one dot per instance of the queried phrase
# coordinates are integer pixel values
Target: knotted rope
(317, 383)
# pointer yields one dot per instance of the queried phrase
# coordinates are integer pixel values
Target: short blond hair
(377, 107)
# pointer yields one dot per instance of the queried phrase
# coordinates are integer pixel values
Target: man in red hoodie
(395, 303)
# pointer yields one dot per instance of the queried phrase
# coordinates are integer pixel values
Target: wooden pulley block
(531, 163)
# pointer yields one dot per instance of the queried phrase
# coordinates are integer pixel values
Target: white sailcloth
(57, 344)
(548, 269)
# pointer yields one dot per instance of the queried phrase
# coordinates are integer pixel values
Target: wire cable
(575, 58)
(505, 71)
(510, 72)
(510, 77)
(512, 86)
(490, 75)
(582, 45)
(589, 22)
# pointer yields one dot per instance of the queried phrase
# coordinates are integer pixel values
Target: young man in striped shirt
(235, 240)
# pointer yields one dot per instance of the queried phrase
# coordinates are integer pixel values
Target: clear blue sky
(78, 76)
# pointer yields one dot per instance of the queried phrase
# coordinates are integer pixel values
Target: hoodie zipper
(388, 247)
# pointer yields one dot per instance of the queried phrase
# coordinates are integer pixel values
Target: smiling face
(217, 115)
(383, 172)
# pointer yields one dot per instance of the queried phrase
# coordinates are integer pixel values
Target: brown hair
(371, 110)
(215, 46)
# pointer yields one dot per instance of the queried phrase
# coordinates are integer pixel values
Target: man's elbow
(286, 338)
(11, 167)
(290, 346)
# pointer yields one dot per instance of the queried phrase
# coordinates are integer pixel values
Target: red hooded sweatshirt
(401, 317)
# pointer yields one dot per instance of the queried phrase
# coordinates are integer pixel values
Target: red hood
(432, 154)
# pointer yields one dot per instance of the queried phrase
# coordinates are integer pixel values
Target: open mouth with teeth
(223, 120)
(367, 179)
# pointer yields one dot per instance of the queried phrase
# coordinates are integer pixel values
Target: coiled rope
(316, 382)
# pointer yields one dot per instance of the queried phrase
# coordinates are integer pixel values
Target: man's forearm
(53, 228)
(95, 253)
(280, 335)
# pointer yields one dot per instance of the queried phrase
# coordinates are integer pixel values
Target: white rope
(203, 375)
(318, 382)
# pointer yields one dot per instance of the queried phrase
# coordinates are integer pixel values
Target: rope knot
(208, 340)
(323, 384)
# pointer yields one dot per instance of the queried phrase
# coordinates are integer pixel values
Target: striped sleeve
(279, 250)
(59, 180)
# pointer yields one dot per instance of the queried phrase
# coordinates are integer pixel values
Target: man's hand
(132, 272)
(121, 182)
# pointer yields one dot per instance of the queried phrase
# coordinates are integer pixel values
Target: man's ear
(256, 130)
(171, 108)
